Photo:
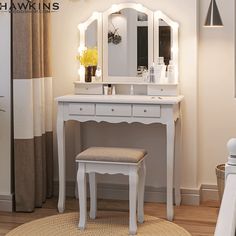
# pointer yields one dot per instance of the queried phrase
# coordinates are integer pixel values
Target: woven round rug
(106, 224)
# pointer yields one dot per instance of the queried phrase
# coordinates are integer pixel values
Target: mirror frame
(96, 16)
(153, 40)
(115, 8)
(174, 40)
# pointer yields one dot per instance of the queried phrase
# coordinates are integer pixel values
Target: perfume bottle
(152, 78)
(160, 70)
(145, 76)
(113, 90)
(171, 72)
(109, 92)
(105, 87)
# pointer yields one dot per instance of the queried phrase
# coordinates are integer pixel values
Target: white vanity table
(135, 100)
(116, 109)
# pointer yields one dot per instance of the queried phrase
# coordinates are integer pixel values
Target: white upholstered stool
(108, 160)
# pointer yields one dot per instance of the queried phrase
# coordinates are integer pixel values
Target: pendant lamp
(213, 18)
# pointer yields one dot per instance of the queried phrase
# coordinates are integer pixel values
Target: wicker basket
(220, 174)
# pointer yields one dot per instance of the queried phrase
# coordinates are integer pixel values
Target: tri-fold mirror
(129, 38)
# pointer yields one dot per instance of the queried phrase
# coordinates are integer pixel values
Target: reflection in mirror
(127, 43)
(91, 35)
(164, 41)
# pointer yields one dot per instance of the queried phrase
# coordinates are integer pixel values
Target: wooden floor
(197, 220)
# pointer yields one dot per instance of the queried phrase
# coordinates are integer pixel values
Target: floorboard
(198, 220)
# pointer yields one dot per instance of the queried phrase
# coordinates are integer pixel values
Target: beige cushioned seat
(112, 154)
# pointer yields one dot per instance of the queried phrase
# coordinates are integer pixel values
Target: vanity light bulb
(174, 50)
(114, 8)
(81, 73)
(81, 49)
(158, 14)
(95, 14)
(175, 25)
(139, 7)
(81, 27)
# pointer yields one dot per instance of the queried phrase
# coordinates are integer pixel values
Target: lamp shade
(213, 18)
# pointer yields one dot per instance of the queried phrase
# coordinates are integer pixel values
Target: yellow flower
(88, 57)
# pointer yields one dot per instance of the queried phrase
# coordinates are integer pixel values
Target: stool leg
(133, 182)
(93, 195)
(141, 190)
(81, 179)
(76, 184)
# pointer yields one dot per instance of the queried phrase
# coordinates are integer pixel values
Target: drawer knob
(145, 110)
(112, 110)
(81, 109)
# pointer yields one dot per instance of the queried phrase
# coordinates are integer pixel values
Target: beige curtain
(32, 98)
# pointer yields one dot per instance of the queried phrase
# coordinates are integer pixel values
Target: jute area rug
(106, 224)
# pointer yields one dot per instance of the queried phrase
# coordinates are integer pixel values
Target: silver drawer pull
(81, 109)
(145, 111)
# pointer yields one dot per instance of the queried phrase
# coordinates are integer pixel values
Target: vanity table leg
(61, 158)
(170, 127)
(133, 188)
(178, 145)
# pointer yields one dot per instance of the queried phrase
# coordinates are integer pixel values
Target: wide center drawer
(113, 110)
(81, 109)
(146, 111)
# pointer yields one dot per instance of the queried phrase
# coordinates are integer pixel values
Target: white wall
(65, 43)
(5, 119)
(217, 105)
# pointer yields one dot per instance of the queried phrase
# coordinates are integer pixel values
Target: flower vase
(88, 74)
(94, 70)
(90, 71)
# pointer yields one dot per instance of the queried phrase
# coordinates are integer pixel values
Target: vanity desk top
(135, 99)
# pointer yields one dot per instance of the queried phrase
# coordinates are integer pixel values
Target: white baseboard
(6, 203)
(152, 194)
(120, 192)
(209, 193)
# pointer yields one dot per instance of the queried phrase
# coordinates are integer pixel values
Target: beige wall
(65, 43)
(217, 105)
(5, 138)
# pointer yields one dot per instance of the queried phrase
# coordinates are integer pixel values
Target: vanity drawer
(90, 88)
(81, 109)
(113, 110)
(146, 111)
(162, 90)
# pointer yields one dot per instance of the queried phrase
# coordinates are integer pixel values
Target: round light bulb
(95, 14)
(114, 8)
(139, 7)
(81, 26)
